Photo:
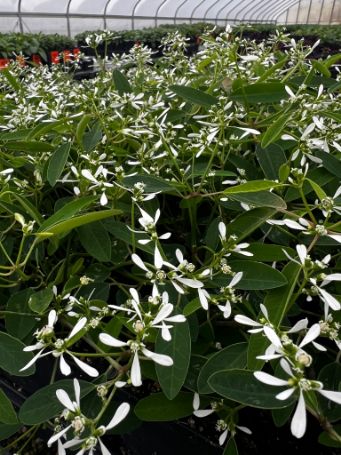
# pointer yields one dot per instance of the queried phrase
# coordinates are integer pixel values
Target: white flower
(226, 309)
(89, 443)
(136, 347)
(259, 326)
(277, 349)
(299, 420)
(70, 405)
(327, 298)
(233, 247)
(61, 348)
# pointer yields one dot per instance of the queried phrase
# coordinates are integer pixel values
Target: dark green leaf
(231, 448)
(271, 159)
(260, 199)
(257, 275)
(231, 357)
(96, 241)
(262, 92)
(242, 386)
(157, 407)
(193, 95)
(7, 430)
(17, 325)
(92, 138)
(7, 413)
(13, 357)
(178, 348)
(253, 186)
(40, 301)
(57, 163)
(275, 130)
(247, 222)
(44, 405)
(121, 82)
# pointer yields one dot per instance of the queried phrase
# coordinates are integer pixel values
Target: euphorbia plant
(172, 223)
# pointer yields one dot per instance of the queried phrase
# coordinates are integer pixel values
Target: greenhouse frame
(73, 16)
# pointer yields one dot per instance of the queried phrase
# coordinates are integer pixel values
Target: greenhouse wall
(74, 16)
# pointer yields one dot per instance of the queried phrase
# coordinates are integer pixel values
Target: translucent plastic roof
(73, 16)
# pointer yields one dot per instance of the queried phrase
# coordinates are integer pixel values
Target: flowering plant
(172, 226)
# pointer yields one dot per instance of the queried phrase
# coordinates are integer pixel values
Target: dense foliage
(174, 223)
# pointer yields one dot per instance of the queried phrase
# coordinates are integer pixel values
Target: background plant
(153, 216)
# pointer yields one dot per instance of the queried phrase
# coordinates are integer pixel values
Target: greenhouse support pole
(222, 9)
(133, 14)
(158, 10)
(266, 16)
(309, 11)
(210, 7)
(68, 18)
(298, 11)
(21, 25)
(320, 15)
(178, 9)
(233, 9)
(194, 10)
(332, 13)
(105, 14)
(284, 8)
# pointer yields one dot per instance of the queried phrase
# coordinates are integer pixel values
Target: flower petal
(161, 359)
(121, 413)
(90, 371)
(312, 333)
(107, 339)
(77, 328)
(285, 394)
(57, 436)
(331, 395)
(269, 379)
(299, 421)
(272, 336)
(135, 373)
(64, 367)
(64, 398)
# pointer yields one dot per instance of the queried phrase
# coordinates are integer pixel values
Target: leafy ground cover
(169, 244)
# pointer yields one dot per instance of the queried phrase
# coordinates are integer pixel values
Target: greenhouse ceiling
(73, 16)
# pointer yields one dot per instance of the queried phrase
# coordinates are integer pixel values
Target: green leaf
(152, 184)
(13, 80)
(178, 348)
(257, 275)
(318, 190)
(271, 159)
(67, 211)
(260, 199)
(281, 416)
(326, 440)
(269, 253)
(57, 163)
(81, 127)
(42, 128)
(92, 138)
(195, 365)
(330, 162)
(121, 82)
(17, 325)
(262, 92)
(253, 186)
(29, 146)
(330, 376)
(275, 130)
(193, 95)
(278, 303)
(233, 356)
(7, 412)
(242, 386)
(96, 241)
(13, 357)
(40, 301)
(44, 405)
(121, 232)
(249, 221)
(8, 430)
(157, 407)
(231, 447)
